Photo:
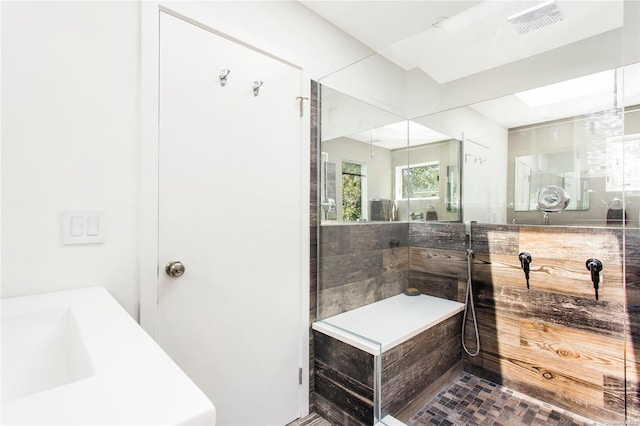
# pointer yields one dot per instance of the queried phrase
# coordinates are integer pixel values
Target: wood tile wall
(358, 266)
(314, 112)
(554, 341)
(345, 375)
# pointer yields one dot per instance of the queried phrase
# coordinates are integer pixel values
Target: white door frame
(148, 267)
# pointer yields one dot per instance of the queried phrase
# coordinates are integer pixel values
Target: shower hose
(468, 301)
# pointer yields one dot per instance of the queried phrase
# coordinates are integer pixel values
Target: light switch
(93, 225)
(76, 226)
(83, 226)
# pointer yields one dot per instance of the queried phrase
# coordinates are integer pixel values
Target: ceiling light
(538, 16)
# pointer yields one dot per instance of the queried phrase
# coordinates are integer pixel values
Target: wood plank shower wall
(554, 341)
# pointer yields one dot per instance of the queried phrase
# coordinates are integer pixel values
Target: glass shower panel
(523, 107)
(629, 208)
(359, 144)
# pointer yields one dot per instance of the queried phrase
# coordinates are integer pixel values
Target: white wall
(285, 28)
(71, 127)
(69, 141)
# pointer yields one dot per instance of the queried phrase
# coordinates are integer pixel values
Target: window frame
(399, 181)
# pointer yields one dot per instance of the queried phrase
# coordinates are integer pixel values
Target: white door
(229, 210)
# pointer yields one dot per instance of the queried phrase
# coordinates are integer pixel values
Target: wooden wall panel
(313, 229)
(357, 266)
(554, 341)
(344, 378)
(438, 262)
(573, 243)
(409, 368)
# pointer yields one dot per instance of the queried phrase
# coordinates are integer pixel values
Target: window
(418, 181)
(353, 191)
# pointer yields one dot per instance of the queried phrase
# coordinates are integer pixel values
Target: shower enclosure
(442, 128)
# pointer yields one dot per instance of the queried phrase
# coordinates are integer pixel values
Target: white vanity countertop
(132, 382)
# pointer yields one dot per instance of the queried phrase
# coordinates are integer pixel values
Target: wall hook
(256, 87)
(222, 75)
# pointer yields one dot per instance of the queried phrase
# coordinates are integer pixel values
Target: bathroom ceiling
(470, 37)
(379, 24)
(449, 40)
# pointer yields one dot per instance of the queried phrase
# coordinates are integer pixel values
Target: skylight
(601, 83)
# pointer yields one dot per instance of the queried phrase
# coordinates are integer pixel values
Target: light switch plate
(83, 226)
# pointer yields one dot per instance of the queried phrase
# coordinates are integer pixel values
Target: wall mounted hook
(256, 87)
(222, 75)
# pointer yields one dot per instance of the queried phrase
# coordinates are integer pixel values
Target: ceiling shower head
(538, 16)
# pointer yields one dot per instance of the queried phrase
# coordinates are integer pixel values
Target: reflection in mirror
(556, 106)
(582, 143)
(356, 144)
(428, 185)
(377, 166)
(562, 169)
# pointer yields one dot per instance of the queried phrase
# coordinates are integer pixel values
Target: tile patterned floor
(312, 419)
(470, 400)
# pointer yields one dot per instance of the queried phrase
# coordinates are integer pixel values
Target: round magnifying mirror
(552, 198)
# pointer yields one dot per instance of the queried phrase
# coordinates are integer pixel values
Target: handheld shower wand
(468, 298)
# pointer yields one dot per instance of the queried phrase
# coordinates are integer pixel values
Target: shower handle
(525, 260)
(595, 266)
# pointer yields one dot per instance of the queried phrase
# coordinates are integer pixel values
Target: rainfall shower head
(538, 16)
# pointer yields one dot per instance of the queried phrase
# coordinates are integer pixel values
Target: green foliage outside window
(421, 181)
(351, 191)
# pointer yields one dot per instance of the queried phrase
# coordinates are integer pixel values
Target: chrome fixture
(174, 269)
(538, 16)
(222, 75)
(525, 260)
(595, 266)
(371, 143)
(551, 198)
(256, 87)
(301, 99)
(328, 205)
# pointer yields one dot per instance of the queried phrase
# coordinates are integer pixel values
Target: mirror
(360, 145)
(556, 105)
(378, 167)
(579, 154)
(561, 169)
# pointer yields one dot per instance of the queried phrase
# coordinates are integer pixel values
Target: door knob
(174, 269)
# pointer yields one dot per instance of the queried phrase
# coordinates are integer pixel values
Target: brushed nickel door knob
(174, 269)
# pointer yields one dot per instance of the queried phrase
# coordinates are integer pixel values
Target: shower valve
(595, 266)
(525, 260)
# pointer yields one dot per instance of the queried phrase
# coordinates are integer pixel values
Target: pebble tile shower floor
(470, 400)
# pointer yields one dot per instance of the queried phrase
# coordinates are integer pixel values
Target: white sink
(41, 350)
(77, 358)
